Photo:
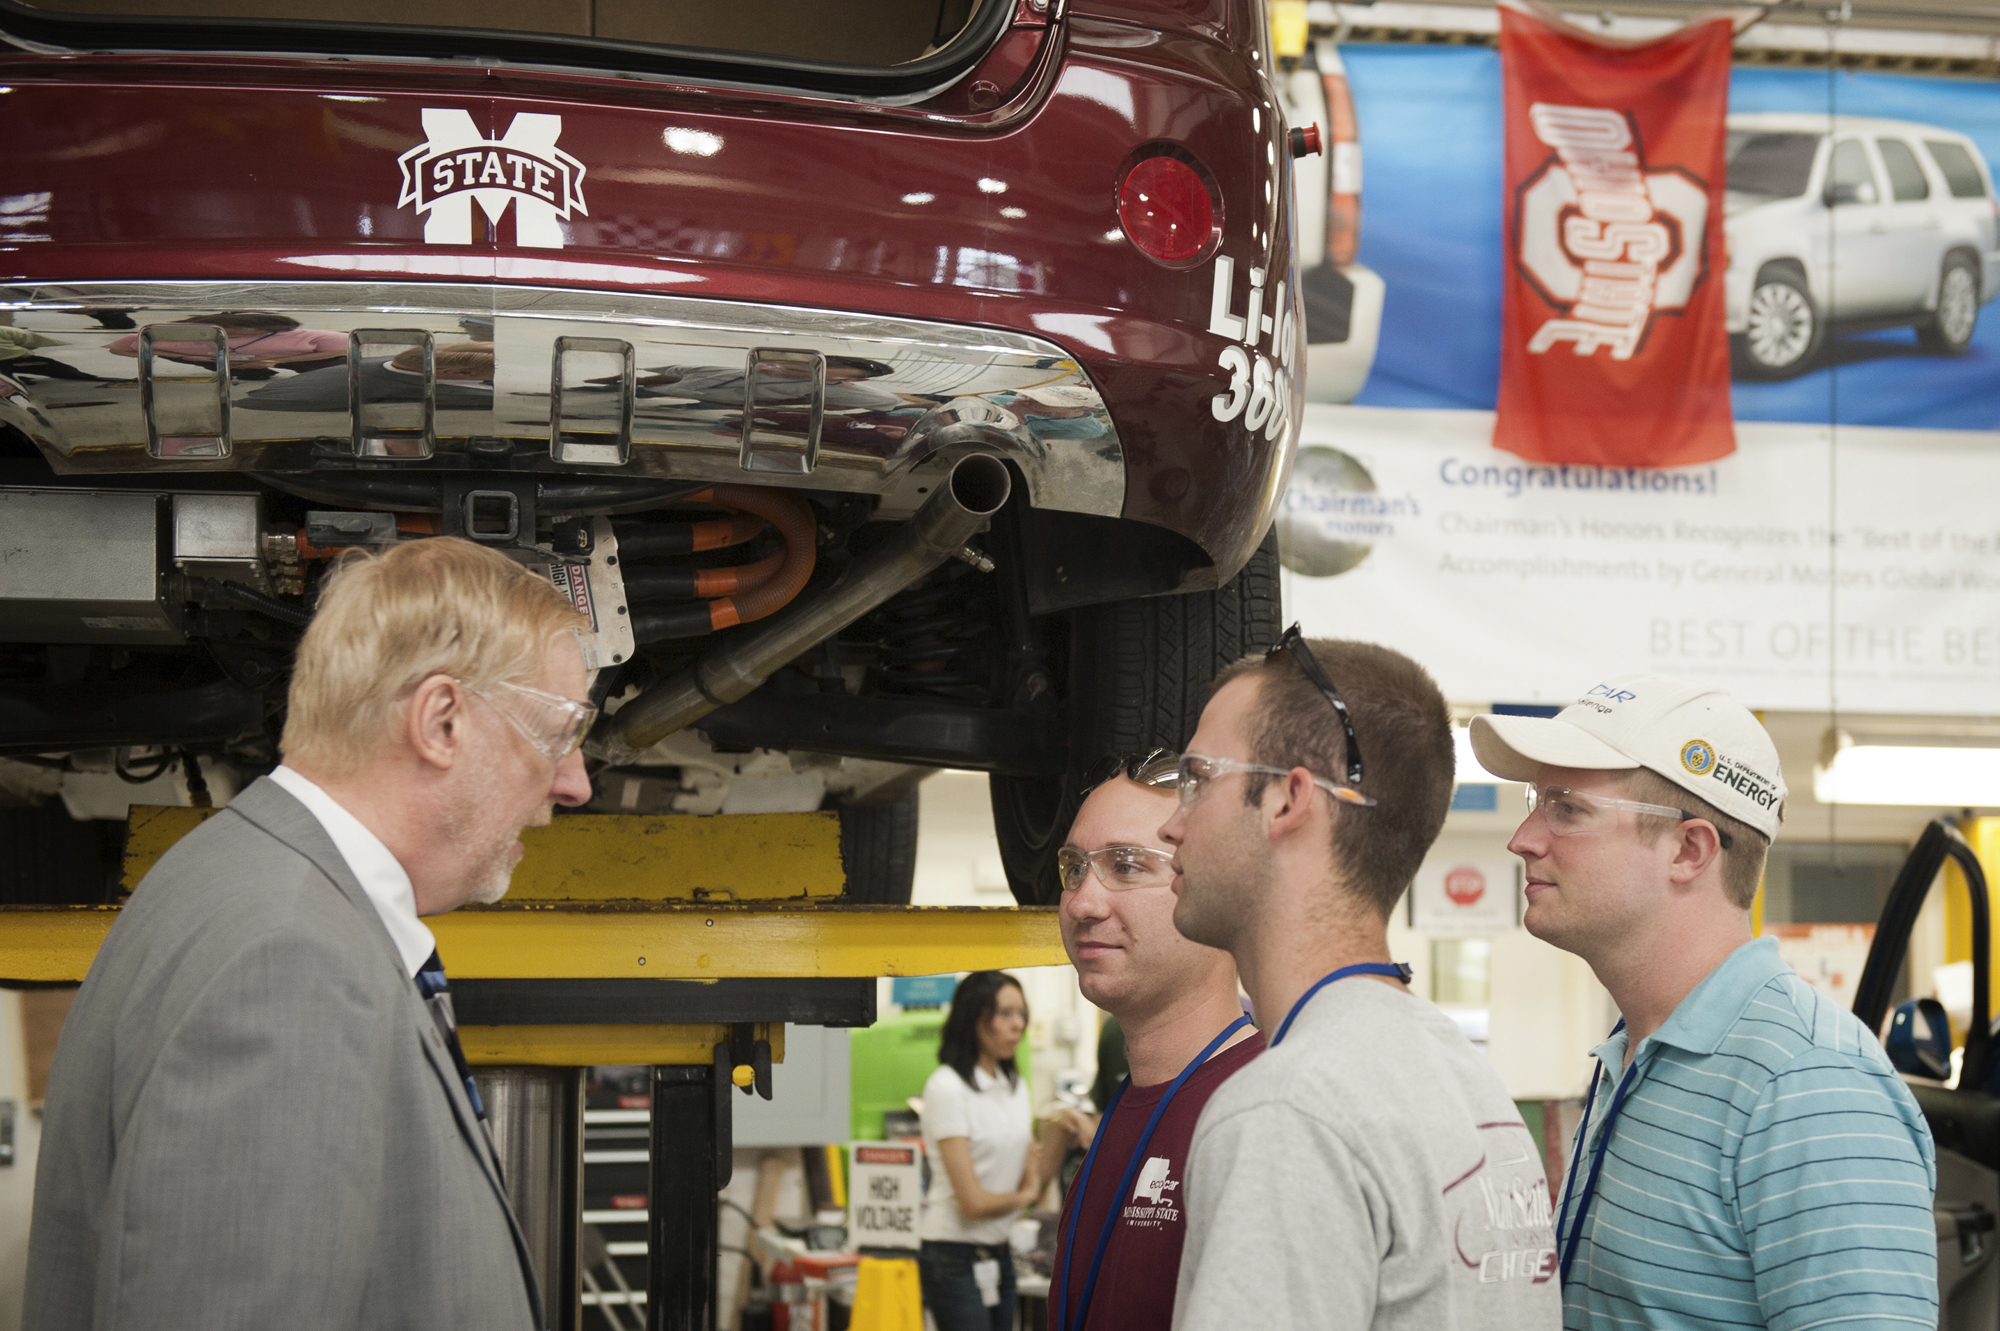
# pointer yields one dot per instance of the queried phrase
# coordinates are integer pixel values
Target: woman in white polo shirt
(978, 1129)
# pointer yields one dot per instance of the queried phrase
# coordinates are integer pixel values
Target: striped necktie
(437, 997)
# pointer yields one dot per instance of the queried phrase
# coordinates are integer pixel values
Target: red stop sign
(1465, 885)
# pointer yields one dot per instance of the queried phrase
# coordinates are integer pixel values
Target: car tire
(1948, 331)
(878, 850)
(48, 858)
(1785, 329)
(1138, 677)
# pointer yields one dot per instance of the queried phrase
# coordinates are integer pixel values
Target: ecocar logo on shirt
(457, 164)
(1153, 1182)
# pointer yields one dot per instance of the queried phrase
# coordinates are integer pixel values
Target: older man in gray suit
(259, 1115)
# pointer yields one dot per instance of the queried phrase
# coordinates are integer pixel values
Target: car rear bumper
(584, 383)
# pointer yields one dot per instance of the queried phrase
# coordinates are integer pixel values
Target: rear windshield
(1773, 166)
(1960, 171)
(861, 35)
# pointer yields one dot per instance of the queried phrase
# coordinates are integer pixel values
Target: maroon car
(899, 384)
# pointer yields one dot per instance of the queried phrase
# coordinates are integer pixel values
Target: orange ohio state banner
(1613, 348)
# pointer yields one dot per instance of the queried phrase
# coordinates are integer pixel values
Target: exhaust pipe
(973, 491)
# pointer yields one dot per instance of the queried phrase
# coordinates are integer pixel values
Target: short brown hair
(386, 622)
(1742, 862)
(1401, 726)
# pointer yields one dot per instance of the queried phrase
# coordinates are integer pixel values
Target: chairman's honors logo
(1607, 241)
(1698, 756)
(457, 165)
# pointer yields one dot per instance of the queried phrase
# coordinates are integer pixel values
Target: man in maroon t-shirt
(1174, 1001)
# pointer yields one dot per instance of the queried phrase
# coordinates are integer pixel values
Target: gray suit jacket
(252, 1121)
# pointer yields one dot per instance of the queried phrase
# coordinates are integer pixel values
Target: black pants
(944, 1270)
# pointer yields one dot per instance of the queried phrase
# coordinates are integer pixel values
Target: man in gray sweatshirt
(1369, 1170)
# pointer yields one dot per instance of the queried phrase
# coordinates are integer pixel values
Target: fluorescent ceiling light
(1940, 776)
(1468, 764)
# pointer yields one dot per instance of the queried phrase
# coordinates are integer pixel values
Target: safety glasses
(1119, 868)
(1158, 768)
(1569, 812)
(1199, 770)
(555, 725)
(1291, 640)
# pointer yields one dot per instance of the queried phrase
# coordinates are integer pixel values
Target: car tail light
(1343, 214)
(1167, 209)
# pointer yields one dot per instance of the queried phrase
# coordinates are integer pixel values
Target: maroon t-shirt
(1135, 1286)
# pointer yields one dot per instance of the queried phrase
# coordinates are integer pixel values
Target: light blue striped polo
(1769, 1169)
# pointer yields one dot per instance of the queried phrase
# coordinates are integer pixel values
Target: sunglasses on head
(1158, 768)
(1293, 641)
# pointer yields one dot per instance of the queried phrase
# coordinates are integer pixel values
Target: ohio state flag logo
(1606, 242)
(457, 166)
(1614, 349)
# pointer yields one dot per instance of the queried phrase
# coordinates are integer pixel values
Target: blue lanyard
(1597, 1156)
(1131, 1168)
(1395, 968)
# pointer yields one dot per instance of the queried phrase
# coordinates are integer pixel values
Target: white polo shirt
(997, 1119)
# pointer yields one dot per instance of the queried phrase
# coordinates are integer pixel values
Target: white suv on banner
(1849, 222)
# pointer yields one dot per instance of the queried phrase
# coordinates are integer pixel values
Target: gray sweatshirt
(1369, 1171)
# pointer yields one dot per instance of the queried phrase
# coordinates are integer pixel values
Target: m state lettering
(457, 166)
(474, 169)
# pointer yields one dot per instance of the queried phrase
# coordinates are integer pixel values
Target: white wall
(958, 864)
(1546, 1011)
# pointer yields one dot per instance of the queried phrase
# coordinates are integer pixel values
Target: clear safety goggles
(1569, 812)
(1119, 868)
(555, 725)
(1198, 770)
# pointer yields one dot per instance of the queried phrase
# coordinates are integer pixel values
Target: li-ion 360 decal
(1259, 391)
(457, 164)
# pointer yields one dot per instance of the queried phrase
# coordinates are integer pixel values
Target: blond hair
(388, 621)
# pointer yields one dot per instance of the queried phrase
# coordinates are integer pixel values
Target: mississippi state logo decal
(1698, 756)
(457, 165)
(1605, 241)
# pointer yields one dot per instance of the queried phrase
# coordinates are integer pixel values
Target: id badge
(986, 1274)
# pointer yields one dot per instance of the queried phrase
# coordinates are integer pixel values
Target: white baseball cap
(1694, 735)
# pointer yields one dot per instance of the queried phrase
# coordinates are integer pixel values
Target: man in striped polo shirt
(1748, 1158)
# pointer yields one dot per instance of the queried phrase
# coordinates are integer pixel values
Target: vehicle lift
(683, 943)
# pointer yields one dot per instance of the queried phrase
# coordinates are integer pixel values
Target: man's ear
(1697, 845)
(434, 721)
(1288, 803)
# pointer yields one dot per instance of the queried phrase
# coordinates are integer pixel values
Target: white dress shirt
(380, 874)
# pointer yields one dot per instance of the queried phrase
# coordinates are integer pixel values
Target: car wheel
(1948, 332)
(1138, 677)
(878, 850)
(1784, 330)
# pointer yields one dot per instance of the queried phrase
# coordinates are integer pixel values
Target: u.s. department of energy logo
(1698, 756)
(457, 165)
